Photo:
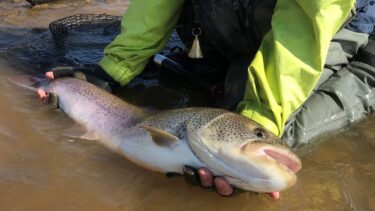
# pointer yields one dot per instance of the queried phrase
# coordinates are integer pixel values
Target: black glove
(190, 174)
(93, 74)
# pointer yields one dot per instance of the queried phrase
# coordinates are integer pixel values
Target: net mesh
(107, 24)
(68, 30)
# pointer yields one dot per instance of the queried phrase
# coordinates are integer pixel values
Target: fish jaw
(252, 166)
(268, 168)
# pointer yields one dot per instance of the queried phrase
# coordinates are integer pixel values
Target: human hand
(93, 74)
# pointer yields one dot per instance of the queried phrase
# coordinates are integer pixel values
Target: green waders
(344, 94)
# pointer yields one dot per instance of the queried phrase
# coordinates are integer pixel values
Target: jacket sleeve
(290, 59)
(145, 30)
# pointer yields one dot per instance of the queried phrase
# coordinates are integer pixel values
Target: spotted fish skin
(230, 145)
(225, 126)
(92, 107)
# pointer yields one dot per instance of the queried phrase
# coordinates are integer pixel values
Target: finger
(275, 195)
(49, 75)
(206, 177)
(42, 95)
(223, 187)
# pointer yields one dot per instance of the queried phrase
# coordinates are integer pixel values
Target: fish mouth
(275, 153)
(273, 167)
(284, 158)
(259, 167)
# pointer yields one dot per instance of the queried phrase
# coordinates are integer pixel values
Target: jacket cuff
(120, 73)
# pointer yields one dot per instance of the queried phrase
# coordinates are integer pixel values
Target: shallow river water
(41, 169)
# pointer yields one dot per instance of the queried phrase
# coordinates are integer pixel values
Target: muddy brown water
(41, 169)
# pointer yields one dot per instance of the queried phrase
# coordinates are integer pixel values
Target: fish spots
(230, 128)
(222, 126)
(203, 116)
(179, 121)
(97, 96)
(93, 106)
(173, 121)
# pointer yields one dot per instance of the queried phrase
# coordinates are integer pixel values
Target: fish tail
(28, 81)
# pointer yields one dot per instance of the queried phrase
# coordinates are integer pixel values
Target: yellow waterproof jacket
(283, 72)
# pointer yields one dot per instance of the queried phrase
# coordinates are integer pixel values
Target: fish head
(243, 152)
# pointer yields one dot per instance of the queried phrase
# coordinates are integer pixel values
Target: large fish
(230, 145)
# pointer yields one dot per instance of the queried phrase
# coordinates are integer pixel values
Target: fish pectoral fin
(90, 135)
(160, 137)
(81, 133)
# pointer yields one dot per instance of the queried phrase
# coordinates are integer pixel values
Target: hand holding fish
(235, 151)
(222, 187)
(206, 177)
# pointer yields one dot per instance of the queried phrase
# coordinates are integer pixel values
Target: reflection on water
(40, 169)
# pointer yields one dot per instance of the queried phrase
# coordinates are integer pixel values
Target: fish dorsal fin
(160, 137)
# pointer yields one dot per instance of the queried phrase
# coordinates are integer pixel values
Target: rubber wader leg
(345, 94)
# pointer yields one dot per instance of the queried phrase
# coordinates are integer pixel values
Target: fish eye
(260, 133)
